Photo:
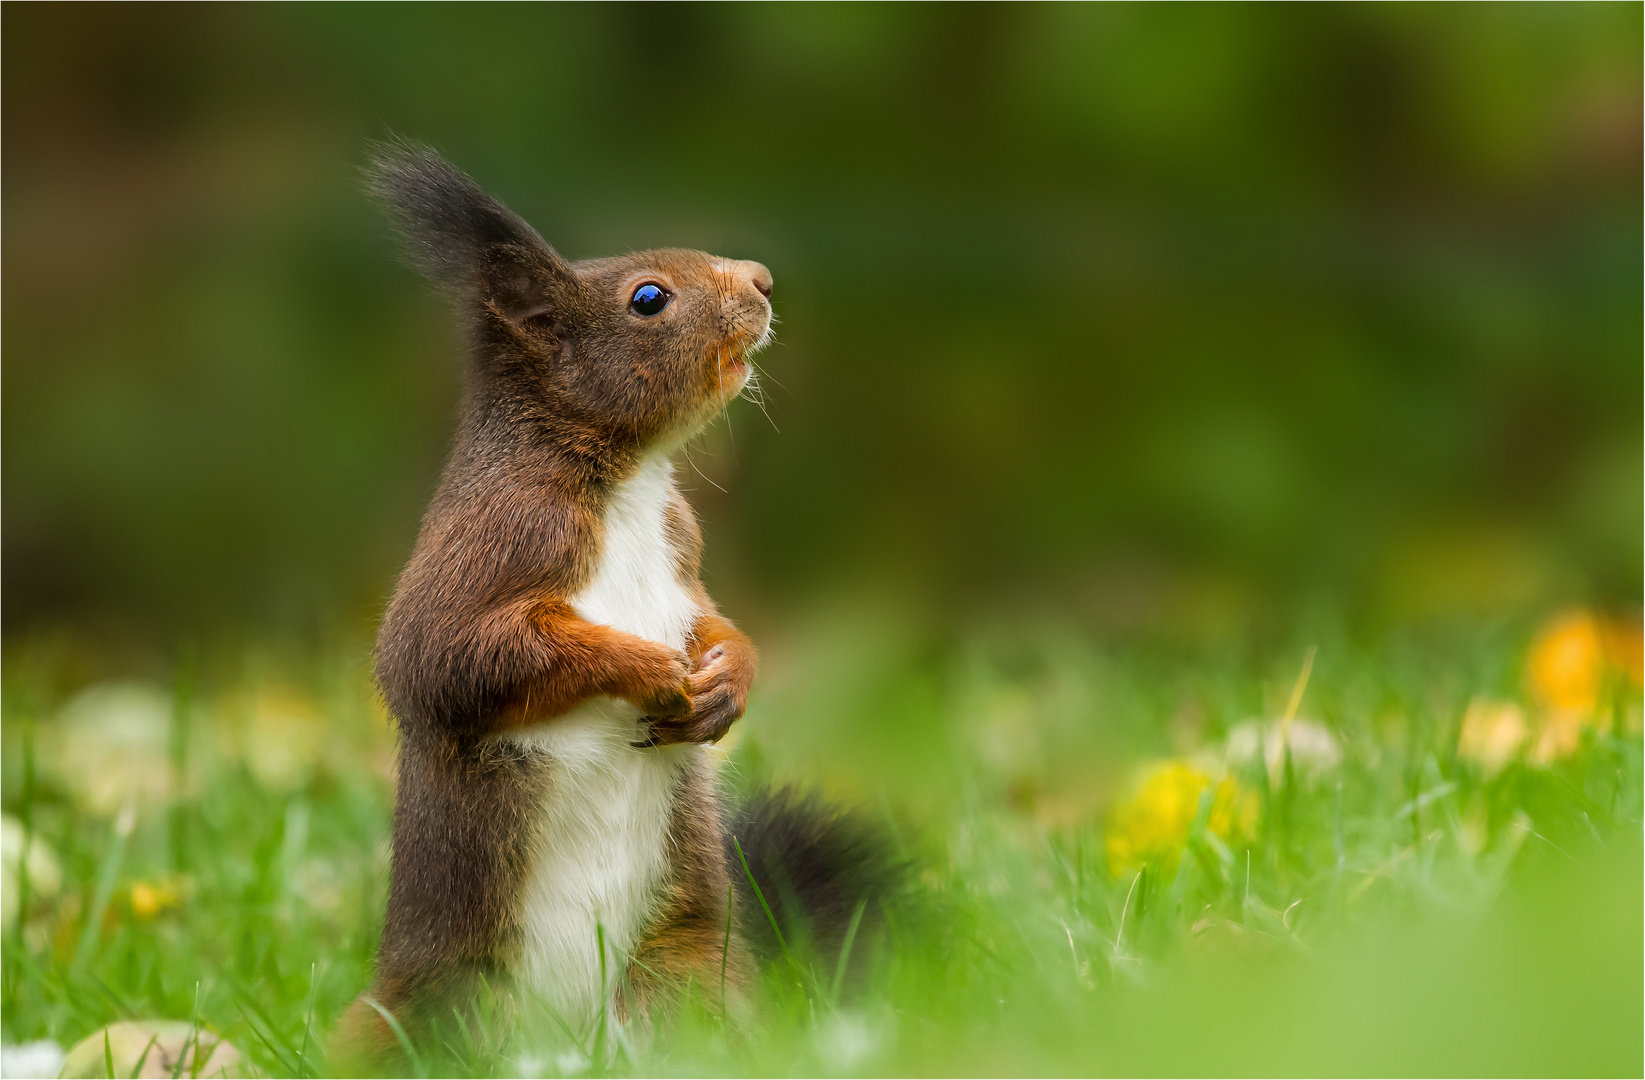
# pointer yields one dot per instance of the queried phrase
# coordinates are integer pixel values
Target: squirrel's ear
(461, 237)
(519, 282)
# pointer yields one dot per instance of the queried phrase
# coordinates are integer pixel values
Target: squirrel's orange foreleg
(579, 660)
(723, 662)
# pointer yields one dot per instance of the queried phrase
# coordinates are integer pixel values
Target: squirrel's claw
(718, 695)
(708, 722)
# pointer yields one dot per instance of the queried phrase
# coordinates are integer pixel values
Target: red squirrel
(554, 665)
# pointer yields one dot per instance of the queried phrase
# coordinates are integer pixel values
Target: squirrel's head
(637, 351)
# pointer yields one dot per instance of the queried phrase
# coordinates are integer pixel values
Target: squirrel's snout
(746, 272)
(744, 323)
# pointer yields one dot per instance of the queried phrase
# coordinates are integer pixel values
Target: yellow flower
(150, 898)
(1566, 666)
(284, 738)
(1573, 664)
(1492, 733)
(1152, 826)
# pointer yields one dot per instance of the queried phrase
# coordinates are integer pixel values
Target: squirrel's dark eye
(648, 300)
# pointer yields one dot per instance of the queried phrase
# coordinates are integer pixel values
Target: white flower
(1314, 750)
(1493, 732)
(39, 1058)
(163, 1047)
(112, 742)
(45, 877)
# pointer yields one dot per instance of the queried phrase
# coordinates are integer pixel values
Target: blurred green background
(1131, 359)
(1166, 317)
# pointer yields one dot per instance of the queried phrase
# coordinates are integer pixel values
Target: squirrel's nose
(759, 277)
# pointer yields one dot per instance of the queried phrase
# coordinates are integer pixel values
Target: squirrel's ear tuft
(461, 237)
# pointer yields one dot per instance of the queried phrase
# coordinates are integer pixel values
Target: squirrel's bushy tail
(815, 865)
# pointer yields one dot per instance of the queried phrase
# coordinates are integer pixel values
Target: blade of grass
(605, 994)
(193, 1034)
(1196, 829)
(399, 1034)
(124, 825)
(144, 1056)
(1119, 934)
(308, 1020)
(565, 1028)
(266, 1039)
(202, 1055)
(268, 1044)
(1295, 703)
(760, 896)
(725, 947)
(182, 699)
(26, 819)
(845, 949)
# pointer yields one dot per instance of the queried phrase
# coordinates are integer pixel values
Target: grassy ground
(1420, 855)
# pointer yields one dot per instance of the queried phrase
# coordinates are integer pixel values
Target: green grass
(1401, 912)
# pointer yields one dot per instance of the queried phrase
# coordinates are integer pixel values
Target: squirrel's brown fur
(568, 393)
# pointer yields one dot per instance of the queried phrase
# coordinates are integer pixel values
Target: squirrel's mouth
(733, 368)
(735, 361)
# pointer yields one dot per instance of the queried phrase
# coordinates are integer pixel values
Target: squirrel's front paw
(719, 694)
(664, 688)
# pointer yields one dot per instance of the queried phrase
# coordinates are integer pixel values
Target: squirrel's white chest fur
(602, 859)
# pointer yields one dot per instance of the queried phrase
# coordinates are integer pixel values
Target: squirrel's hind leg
(695, 941)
